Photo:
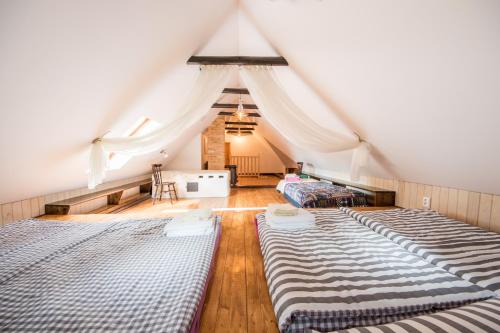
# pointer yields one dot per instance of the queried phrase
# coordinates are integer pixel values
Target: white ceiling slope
(72, 70)
(419, 80)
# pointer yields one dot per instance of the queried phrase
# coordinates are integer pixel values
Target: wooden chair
(160, 185)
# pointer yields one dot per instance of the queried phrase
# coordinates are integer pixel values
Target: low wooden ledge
(114, 195)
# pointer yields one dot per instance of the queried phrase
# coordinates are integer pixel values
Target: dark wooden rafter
(236, 60)
(249, 123)
(240, 129)
(239, 132)
(228, 113)
(238, 91)
(233, 106)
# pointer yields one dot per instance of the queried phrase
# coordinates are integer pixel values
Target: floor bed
(109, 276)
(474, 318)
(322, 195)
(467, 251)
(341, 274)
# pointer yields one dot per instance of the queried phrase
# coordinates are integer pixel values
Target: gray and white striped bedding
(462, 249)
(479, 317)
(100, 277)
(341, 274)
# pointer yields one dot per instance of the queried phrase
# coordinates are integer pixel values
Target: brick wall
(215, 134)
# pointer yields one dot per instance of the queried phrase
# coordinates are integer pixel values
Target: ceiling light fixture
(240, 112)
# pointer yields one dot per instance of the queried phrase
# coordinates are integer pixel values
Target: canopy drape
(274, 104)
(293, 123)
(207, 88)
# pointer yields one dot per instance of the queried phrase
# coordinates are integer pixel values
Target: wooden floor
(237, 298)
(264, 180)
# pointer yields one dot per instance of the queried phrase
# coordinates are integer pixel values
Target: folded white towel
(188, 225)
(283, 210)
(303, 216)
(302, 220)
(189, 220)
(201, 213)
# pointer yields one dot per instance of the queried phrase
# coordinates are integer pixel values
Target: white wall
(188, 158)
(252, 145)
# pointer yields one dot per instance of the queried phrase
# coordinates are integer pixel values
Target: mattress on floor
(101, 277)
(467, 251)
(477, 317)
(323, 195)
(341, 274)
(283, 183)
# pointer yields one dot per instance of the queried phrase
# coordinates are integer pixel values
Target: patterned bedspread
(283, 183)
(100, 277)
(341, 274)
(462, 249)
(323, 195)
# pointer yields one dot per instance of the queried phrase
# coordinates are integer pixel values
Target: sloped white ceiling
(72, 70)
(419, 80)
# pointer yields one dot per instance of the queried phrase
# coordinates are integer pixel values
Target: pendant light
(240, 112)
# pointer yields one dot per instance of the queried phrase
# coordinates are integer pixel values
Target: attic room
(292, 166)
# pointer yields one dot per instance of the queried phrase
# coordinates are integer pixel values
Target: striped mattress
(464, 250)
(479, 317)
(341, 274)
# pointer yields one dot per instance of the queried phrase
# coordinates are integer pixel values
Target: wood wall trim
(480, 209)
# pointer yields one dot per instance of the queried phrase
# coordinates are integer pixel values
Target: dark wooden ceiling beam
(253, 114)
(239, 91)
(229, 113)
(233, 106)
(240, 128)
(250, 123)
(236, 60)
(239, 132)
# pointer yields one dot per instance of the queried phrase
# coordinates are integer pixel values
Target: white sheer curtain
(293, 123)
(359, 159)
(208, 87)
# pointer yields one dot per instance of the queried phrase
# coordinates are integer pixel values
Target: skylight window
(142, 126)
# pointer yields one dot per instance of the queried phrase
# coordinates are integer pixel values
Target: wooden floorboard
(237, 299)
(265, 180)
